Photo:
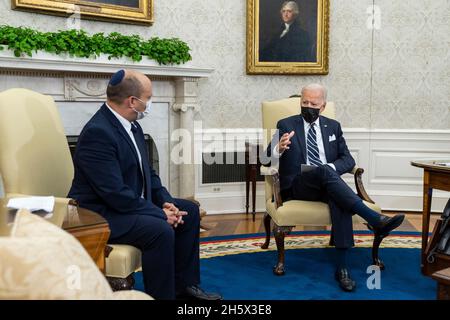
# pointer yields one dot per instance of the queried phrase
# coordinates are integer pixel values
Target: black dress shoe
(345, 282)
(196, 293)
(387, 224)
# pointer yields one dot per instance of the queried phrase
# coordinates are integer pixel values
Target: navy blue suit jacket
(108, 178)
(295, 46)
(336, 151)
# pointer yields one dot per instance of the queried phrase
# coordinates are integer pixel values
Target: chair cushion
(309, 213)
(122, 261)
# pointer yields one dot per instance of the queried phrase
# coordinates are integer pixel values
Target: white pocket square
(331, 138)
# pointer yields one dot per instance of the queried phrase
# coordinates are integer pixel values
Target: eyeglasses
(138, 99)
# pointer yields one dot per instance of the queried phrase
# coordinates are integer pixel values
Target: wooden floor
(231, 224)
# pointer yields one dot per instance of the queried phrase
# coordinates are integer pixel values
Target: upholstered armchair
(289, 214)
(35, 160)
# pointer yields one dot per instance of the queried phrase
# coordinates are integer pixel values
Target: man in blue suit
(317, 142)
(113, 177)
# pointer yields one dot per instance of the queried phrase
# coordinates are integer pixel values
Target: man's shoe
(387, 224)
(196, 293)
(345, 282)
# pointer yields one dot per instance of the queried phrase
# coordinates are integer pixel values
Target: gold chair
(35, 160)
(291, 213)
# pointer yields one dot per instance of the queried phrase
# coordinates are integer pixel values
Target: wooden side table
(252, 165)
(88, 227)
(443, 283)
(435, 176)
(91, 229)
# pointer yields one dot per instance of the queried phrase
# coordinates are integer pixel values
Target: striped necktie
(312, 148)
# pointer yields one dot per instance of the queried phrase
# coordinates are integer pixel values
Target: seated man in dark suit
(317, 141)
(113, 177)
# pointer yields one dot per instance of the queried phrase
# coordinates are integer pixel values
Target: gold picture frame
(273, 47)
(124, 11)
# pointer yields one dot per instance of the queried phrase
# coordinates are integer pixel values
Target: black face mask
(310, 114)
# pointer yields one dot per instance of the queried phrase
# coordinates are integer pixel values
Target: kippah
(117, 78)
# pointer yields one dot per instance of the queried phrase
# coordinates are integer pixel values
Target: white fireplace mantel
(42, 61)
(78, 85)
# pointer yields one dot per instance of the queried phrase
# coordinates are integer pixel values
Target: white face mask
(142, 114)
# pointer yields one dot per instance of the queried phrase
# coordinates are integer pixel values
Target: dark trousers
(170, 256)
(324, 184)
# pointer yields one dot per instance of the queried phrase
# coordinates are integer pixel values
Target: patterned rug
(236, 267)
(249, 243)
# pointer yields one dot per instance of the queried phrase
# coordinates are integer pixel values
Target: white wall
(384, 154)
(393, 77)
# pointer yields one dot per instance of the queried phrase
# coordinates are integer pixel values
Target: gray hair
(292, 5)
(316, 86)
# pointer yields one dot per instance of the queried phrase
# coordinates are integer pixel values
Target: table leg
(253, 179)
(427, 196)
(247, 186)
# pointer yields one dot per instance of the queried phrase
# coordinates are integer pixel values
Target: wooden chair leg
(280, 233)
(118, 284)
(375, 248)
(267, 219)
(443, 292)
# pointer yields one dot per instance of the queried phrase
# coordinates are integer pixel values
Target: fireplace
(78, 87)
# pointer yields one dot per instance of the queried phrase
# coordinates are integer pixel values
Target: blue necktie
(312, 148)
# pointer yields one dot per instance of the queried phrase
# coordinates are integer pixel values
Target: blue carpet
(310, 275)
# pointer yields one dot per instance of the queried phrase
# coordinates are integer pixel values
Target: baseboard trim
(234, 202)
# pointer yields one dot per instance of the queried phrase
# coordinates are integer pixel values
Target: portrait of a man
(287, 36)
(127, 3)
(289, 41)
(123, 11)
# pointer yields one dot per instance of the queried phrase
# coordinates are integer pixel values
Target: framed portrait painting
(287, 37)
(125, 11)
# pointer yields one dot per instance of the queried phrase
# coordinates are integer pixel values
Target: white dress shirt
(323, 158)
(127, 126)
(306, 126)
(286, 30)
